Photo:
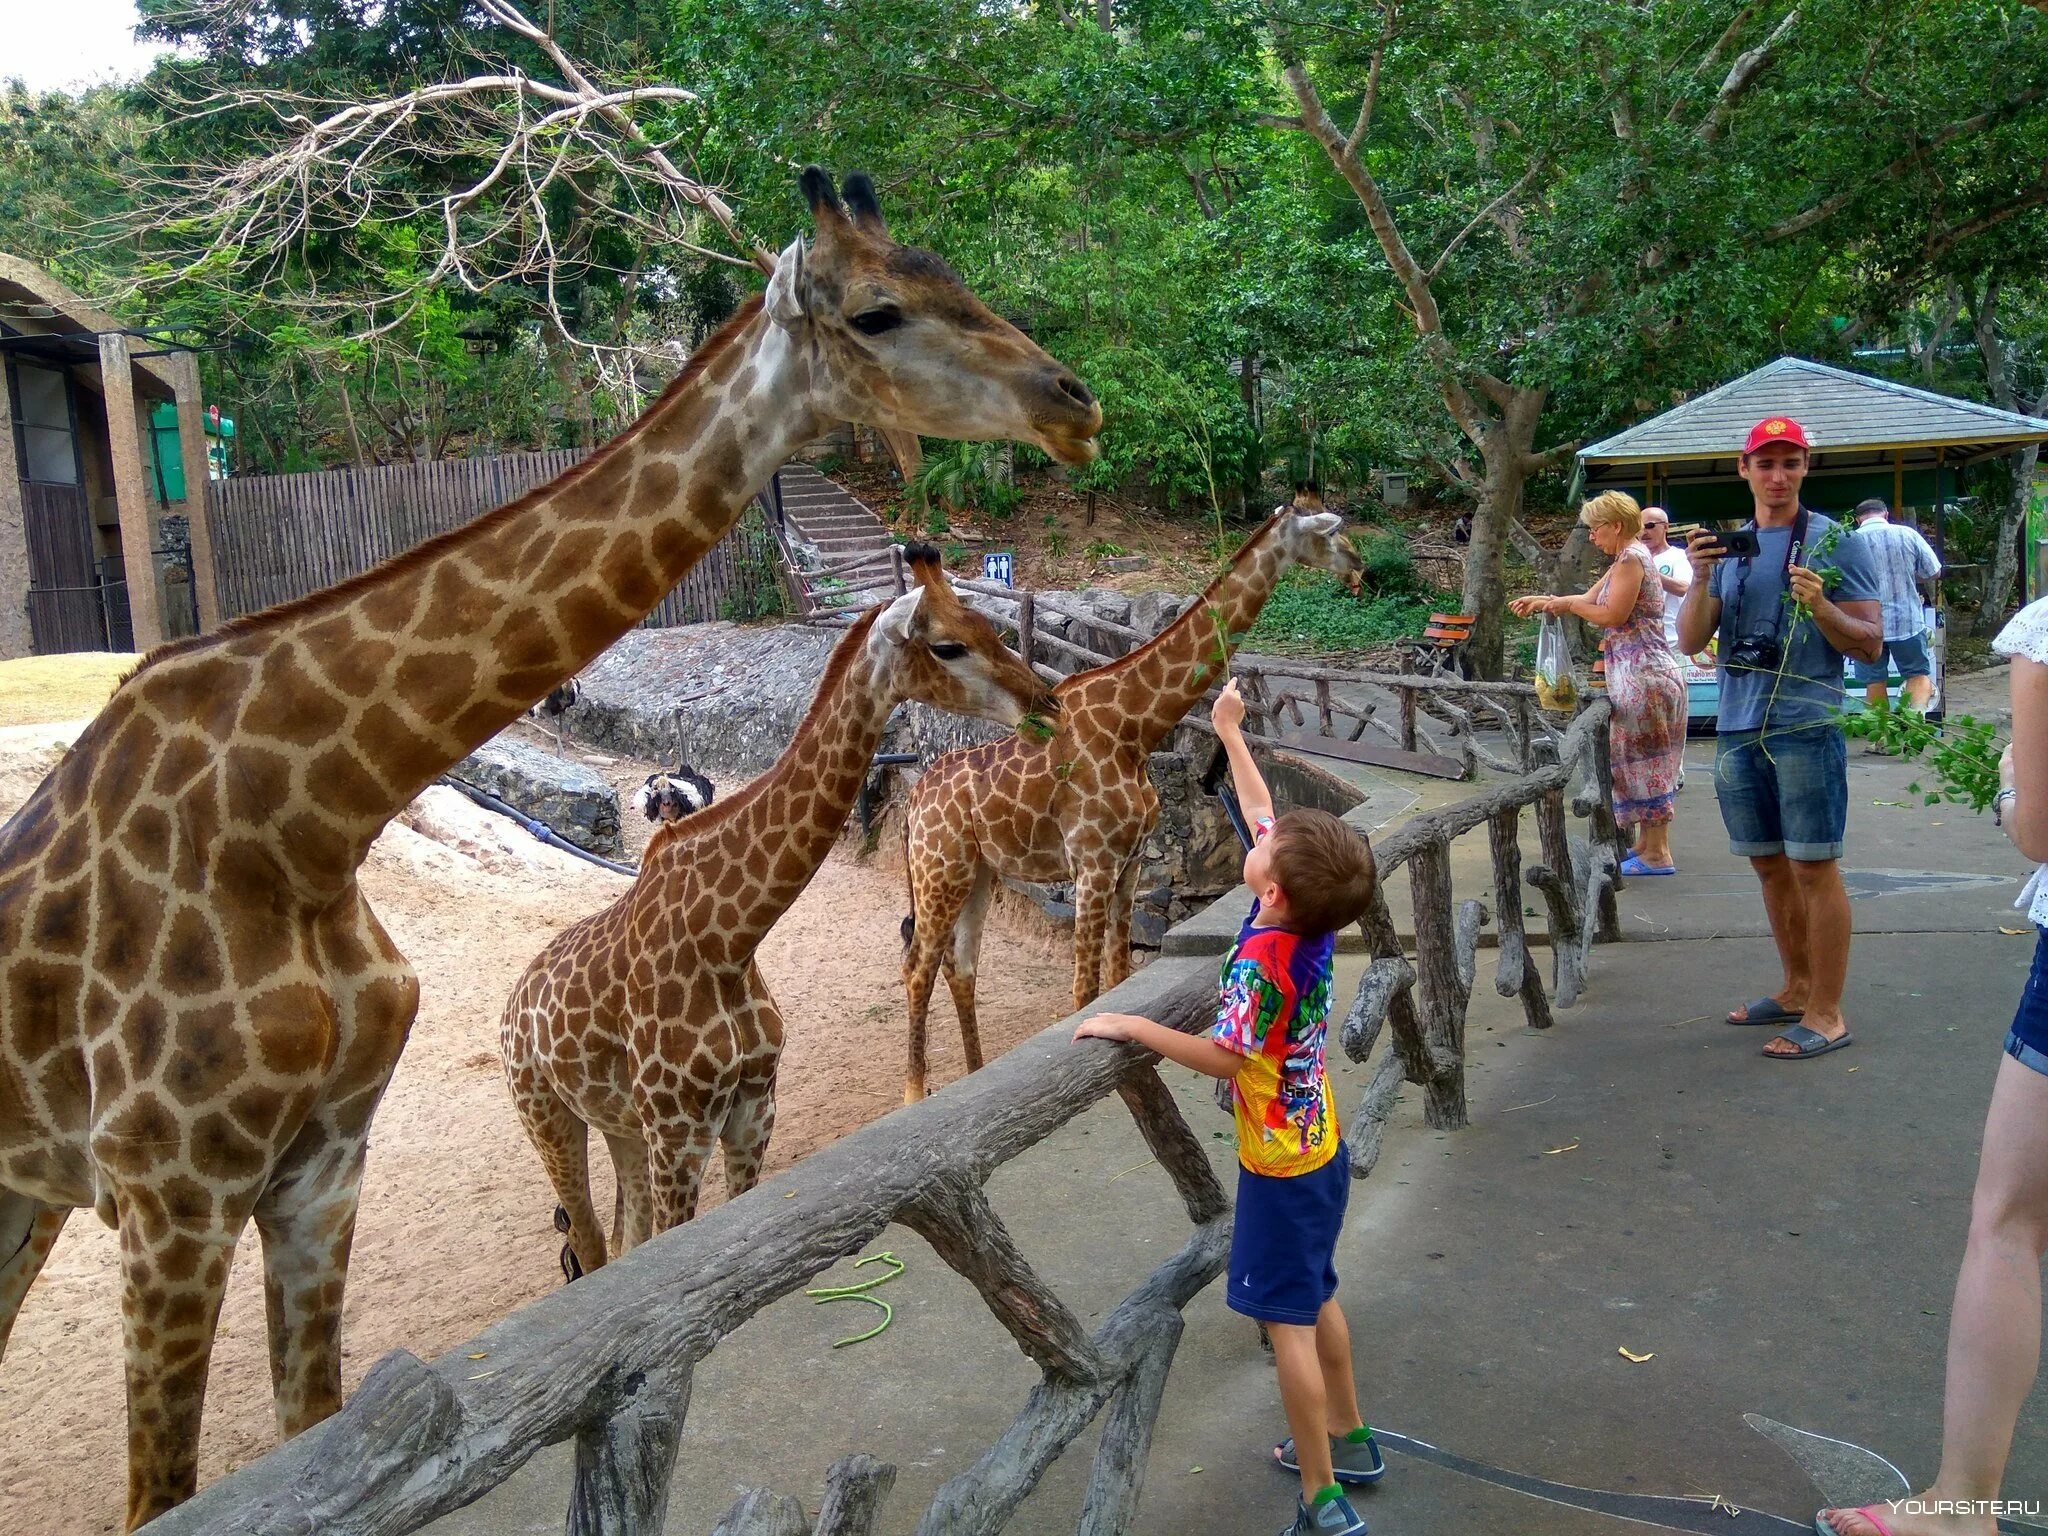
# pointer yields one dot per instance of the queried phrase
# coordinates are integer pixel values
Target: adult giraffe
(1077, 805)
(198, 1011)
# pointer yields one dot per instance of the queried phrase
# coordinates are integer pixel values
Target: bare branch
(1372, 78)
(1712, 57)
(1747, 69)
(1829, 206)
(1488, 212)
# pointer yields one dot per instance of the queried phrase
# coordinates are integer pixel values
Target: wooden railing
(608, 1362)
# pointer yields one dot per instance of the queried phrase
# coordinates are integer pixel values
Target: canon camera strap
(1732, 613)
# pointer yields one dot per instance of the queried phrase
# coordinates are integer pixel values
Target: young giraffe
(649, 1019)
(198, 1012)
(1077, 806)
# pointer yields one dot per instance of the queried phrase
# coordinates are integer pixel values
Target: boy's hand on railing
(1108, 1026)
(1227, 713)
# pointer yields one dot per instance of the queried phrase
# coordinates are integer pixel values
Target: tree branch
(1747, 69)
(1414, 281)
(1712, 57)
(1372, 78)
(1521, 186)
(1829, 206)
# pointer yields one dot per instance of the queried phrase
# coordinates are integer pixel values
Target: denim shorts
(1786, 792)
(1908, 655)
(2027, 1041)
(1283, 1243)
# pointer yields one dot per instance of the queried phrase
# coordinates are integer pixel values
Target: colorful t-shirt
(1273, 1012)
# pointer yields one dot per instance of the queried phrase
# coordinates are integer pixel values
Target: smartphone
(1737, 543)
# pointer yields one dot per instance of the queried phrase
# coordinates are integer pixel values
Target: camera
(1754, 653)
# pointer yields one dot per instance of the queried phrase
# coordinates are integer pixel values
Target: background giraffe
(649, 1020)
(1078, 805)
(198, 1011)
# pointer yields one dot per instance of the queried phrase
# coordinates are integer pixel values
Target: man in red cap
(1786, 617)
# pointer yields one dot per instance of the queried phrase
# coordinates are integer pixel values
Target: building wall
(14, 632)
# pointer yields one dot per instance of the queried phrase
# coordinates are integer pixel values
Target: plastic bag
(1555, 689)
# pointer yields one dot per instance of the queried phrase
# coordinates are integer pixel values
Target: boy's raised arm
(1227, 716)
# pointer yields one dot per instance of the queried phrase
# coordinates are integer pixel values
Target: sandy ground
(455, 1227)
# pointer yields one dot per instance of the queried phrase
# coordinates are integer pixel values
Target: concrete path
(1781, 1238)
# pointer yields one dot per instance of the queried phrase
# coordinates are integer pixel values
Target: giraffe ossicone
(649, 1020)
(1077, 804)
(198, 1010)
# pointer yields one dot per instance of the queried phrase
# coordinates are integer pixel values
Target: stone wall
(578, 805)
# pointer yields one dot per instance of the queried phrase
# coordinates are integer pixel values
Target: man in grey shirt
(1785, 617)
(1902, 560)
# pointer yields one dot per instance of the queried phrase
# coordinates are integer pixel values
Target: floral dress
(1646, 734)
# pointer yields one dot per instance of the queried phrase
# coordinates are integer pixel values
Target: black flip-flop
(1768, 1010)
(1811, 1042)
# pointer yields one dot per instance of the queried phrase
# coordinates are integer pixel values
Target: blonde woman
(1646, 734)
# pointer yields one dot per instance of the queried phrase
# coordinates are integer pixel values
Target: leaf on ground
(1552, 1152)
(1631, 1356)
(2015, 932)
(480, 1354)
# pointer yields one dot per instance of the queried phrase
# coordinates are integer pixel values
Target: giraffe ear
(1321, 523)
(895, 624)
(785, 289)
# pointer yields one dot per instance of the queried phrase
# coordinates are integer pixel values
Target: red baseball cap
(1776, 429)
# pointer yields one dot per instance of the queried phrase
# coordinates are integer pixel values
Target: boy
(1312, 876)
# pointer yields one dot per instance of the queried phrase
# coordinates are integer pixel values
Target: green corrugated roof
(1842, 412)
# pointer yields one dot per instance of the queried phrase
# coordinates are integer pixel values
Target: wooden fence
(278, 537)
(608, 1362)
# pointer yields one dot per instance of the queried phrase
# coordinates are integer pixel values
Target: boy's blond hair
(1325, 871)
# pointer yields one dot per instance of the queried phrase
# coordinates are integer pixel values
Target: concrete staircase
(838, 548)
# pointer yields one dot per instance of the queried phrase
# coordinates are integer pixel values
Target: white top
(2027, 635)
(1675, 563)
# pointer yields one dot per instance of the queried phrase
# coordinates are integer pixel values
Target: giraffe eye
(948, 650)
(873, 322)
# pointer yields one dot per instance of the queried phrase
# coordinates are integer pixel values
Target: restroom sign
(996, 568)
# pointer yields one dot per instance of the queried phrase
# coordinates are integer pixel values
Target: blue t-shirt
(1810, 688)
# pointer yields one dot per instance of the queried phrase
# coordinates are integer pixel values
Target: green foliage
(1312, 611)
(1103, 549)
(963, 477)
(1389, 566)
(1961, 753)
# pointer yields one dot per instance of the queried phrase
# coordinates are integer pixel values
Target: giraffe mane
(715, 815)
(1187, 616)
(425, 553)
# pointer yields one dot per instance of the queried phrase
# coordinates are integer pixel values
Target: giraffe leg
(174, 1272)
(961, 957)
(28, 1231)
(751, 1119)
(563, 1142)
(633, 1211)
(675, 1168)
(308, 1225)
(1094, 890)
(1116, 951)
(938, 896)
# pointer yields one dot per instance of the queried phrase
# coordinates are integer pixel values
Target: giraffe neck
(1158, 683)
(778, 829)
(354, 699)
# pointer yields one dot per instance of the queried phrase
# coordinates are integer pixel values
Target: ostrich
(672, 796)
(557, 704)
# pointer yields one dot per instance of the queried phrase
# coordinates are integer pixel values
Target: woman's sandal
(1810, 1042)
(1825, 1527)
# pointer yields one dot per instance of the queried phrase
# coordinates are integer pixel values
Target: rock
(1153, 611)
(581, 807)
(1121, 564)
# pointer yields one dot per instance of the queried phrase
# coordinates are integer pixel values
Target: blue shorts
(2027, 1041)
(1792, 799)
(1283, 1245)
(1908, 655)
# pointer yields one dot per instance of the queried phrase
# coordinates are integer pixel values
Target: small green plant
(935, 521)
(955, 552)
(1102, 549)
(1961, 753)
(1056, 544)
(1037, 728)
(763, 601)
(830, 464)
(963, 477)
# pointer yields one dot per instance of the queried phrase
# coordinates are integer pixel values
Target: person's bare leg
(1302, 1395)
(1919, 694)
(1824, 901)
(1340, 1385)
(1876, 695)
(1994, 1334)
(1653, 844)
(1786, 913)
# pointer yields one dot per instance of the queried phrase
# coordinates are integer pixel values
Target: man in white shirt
(1903, 561)
(1674, 570)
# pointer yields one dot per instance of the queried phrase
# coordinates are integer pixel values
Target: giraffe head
(1312, 537)
(932, 648)
(900, 343)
